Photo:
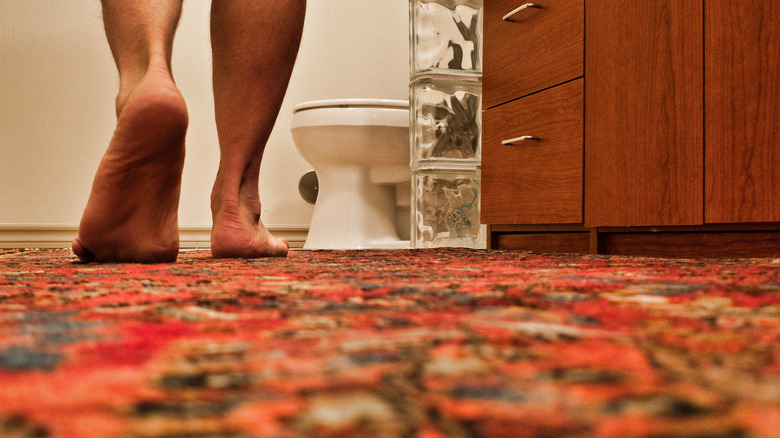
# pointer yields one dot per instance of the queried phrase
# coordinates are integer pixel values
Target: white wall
(58, 82)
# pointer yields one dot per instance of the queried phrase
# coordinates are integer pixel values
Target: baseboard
(17, 236)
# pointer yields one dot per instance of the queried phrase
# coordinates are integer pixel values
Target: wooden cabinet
(679, 126)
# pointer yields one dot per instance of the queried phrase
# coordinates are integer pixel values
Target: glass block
(446, 208)
(445, 35)
(446, 119)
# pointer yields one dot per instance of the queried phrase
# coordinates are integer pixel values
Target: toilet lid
(352, 103)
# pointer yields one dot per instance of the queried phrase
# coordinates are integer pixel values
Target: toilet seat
(351, 112)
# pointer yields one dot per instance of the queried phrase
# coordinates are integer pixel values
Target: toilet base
(352, 212)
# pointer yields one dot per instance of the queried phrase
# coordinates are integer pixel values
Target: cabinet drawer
(540, 48)
(535, 181)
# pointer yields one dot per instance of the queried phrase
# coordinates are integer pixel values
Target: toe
(81, 252)
(280, 248)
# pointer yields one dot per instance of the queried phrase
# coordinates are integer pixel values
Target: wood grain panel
(742, 67)
(541, 48)
(543, 242)
(534, 181)
(706, 244)
(644, 118)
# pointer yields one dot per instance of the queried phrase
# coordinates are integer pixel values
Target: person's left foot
(131, 215)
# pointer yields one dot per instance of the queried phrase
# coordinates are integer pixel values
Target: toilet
(359, 149)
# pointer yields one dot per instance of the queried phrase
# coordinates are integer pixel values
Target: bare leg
(131, 214)
(254, 45)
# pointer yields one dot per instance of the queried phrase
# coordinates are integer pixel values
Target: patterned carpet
(428, 344)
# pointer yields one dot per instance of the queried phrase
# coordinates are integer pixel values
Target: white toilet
(359, 149)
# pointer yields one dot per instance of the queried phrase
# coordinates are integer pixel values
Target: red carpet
(429, 344)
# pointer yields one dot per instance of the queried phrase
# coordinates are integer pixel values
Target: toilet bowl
(359, 149)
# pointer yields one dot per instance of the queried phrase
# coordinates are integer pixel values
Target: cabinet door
(742, 158)
(537, 180)
(535, 48)
(644, 113)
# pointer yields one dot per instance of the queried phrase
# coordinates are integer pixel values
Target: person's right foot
(237, 230)
(132, 212)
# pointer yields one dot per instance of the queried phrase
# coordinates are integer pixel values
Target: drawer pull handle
(508, 17)
(512, 141)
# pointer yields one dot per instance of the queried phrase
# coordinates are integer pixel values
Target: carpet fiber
(428, 344)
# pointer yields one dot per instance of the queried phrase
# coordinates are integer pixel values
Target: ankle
(130, 78)
(234, 191)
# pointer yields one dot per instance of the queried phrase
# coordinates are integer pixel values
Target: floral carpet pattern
(428, 344)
